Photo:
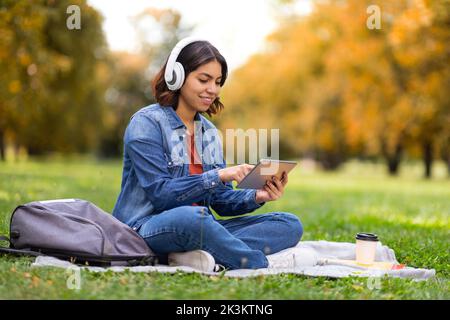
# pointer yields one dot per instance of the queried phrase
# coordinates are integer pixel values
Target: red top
(195, 163)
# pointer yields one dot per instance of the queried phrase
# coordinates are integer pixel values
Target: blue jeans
(241, 242)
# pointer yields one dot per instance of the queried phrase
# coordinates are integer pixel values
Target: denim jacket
(156, 176)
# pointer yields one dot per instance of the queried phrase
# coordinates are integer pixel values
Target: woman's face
(202, 86)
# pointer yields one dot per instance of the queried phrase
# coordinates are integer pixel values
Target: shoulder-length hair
(191, 57)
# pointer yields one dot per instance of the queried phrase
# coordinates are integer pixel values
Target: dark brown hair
(191, 57)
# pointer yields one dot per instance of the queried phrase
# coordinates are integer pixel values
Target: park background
(364, 110)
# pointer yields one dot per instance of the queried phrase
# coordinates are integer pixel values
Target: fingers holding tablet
(284, 178)
(275, 187)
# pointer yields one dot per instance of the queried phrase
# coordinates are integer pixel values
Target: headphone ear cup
(179, 71)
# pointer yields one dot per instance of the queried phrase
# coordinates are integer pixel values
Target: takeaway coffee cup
(366, 244)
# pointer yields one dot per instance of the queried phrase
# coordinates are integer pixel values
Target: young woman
(174, 176)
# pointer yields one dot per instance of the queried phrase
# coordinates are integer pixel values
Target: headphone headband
(174, 73)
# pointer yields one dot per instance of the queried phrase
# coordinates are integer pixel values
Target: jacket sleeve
(227, 201)
(144, 146)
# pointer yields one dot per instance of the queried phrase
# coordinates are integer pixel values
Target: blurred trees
(341, 90)
(51, 99)
(334, 87)
(129, 75)
(62, 90)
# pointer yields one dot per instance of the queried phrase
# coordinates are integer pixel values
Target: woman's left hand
(272, 190)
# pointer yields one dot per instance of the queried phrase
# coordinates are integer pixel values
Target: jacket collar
(175, 121)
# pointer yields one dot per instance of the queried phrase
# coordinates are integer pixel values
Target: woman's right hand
(236, 173)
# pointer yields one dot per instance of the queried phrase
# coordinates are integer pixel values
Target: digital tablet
(263, 171)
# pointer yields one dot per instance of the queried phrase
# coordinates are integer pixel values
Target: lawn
(409, 214)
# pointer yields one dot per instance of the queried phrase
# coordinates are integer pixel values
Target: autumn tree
(51, 99)
(340, 89)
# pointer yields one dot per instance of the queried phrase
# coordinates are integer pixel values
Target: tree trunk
(445, 155)
(428, 158)
(330, 161)
(2, 146)
(393, 160)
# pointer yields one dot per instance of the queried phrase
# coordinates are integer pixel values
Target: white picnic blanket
(323, 249)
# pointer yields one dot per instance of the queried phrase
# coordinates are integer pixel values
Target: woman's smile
(206, 100)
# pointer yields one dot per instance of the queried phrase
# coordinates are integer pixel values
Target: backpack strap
(21, 252)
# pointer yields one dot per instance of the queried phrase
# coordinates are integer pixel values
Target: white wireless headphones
(174, 73)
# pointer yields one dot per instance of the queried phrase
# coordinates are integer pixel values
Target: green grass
(409, 214)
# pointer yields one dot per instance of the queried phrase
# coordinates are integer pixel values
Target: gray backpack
(76, 230)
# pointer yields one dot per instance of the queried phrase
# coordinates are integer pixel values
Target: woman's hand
(236, 173)
(272, 190)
